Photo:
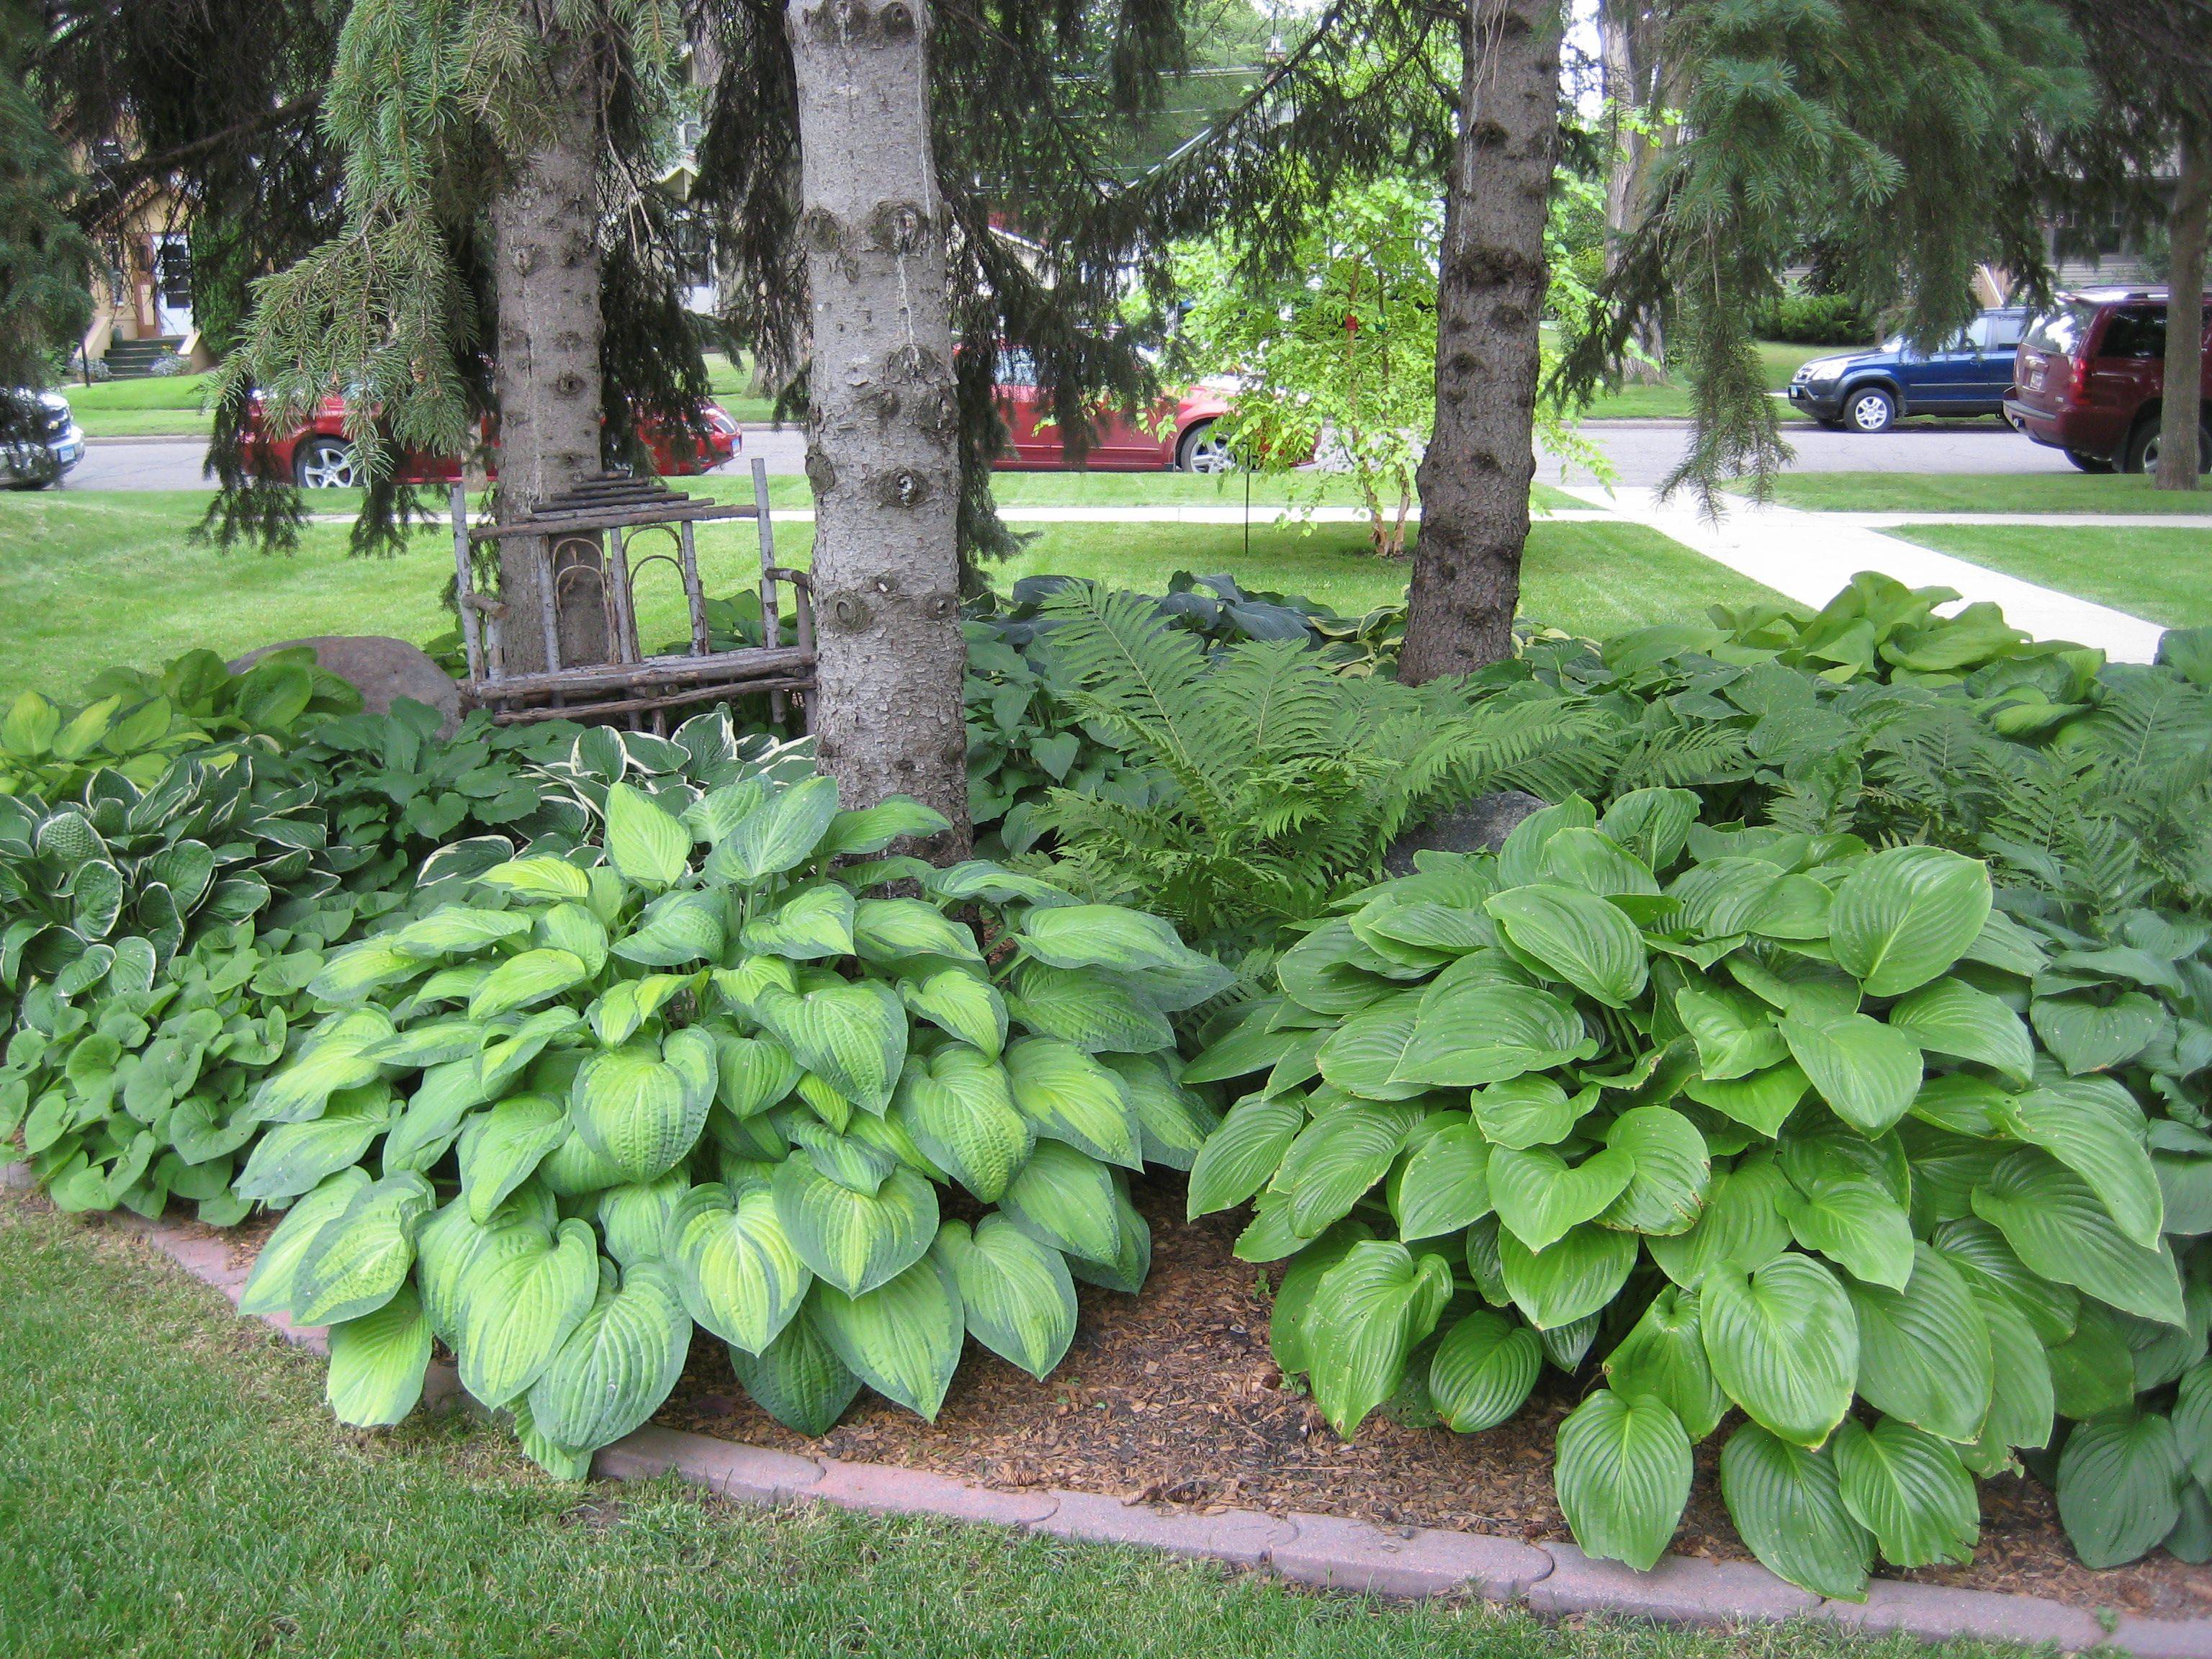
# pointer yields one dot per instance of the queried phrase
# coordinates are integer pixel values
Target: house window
(173, 262)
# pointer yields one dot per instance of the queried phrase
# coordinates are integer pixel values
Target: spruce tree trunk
(882, 424)
(1490, 305)
(546, 372)
(2181, 414)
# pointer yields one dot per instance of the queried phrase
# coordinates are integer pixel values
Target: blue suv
(1873, 391)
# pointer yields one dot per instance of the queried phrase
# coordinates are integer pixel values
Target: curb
(1325, 1552)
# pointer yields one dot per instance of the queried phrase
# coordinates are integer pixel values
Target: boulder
(382, 670)
(1479, 825)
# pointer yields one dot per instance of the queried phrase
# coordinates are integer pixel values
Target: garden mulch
(1172, 1397)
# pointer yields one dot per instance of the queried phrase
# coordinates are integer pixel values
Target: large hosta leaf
(1067, 1096)
(378, 1361)
(1468, 1033)
(775, 834)
(1483, 1370)
(856, 1241)
(1569, 1279)
(1856, 1223)
(1788, 1504)
(1172, 1122)
(2021, 1395)
(1665, 1356)
(1368, 1313)
(517, 1308)
(1903, 916)
(501, 1147)
(331, 1060)
(1101, 936)
(1865, 1070)
(752, 1074)
(813, 923)
(1446, 1183)
(854, 1036)
(1908, 1489)
(1671, 1171)
(2088, 1037)
(736, 1269)
(2093, 1127)
(891, 930)
(1580, 938)
(1734, 1031)
(1242, 1154)
(1763, 1100)
(636, 1110)
(294, 1158)
(525, 979)
(1950, 1017)
(1539, 1197)
(797, 1379)
(1018, 1298)
(1362, 1056)
(651, 849)
(1066, 1199)
(901, 1337)
(1623, 1476)
(959, 1107)
(1522, 1112)
(677, 930)
(956, 1001)
(2060, 1229)
(1784, 1344)
(1924, 1349)
(268, 1287)
(1742, 1225)
(2120, 1486)
(618, 1363)
(1336, 1159)
(1095, 1011)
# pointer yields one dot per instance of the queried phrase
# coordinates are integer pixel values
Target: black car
(1873, 391)
(39, 438)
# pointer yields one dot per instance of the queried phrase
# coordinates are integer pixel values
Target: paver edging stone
(1325, 1551)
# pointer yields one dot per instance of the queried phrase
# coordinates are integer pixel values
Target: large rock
(382, 670)
(1479, 825)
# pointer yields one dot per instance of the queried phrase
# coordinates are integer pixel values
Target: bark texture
(1490, 303)
(2181, 416)
(1635, 83)
(546, 369)
(882, 425)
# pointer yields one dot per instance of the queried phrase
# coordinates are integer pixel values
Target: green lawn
(1672, 400)
(1980, 492)
(1226, 491)
(176, 1490)
(87, 578)
(2161, 574)
(158, 406)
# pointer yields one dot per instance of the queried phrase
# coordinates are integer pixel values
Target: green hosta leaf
(1101, 936)
(628, 1004)
(815, 923)
(959, 1107)
(1482, 1371)
(1788, 1505)
(775, 834)
(1066, 1199)
(540, 877)
(1856, 1222)
(504, 1058)
(575, 929)
(1664, 1356)
(1950, 1017)
(1132, 1261)
(455, 930)
(2120, 1486)
(1336, 1159)
(1903, 916)
(2088, 1037)
(1362, 1057)
(1019, 1300)
(635, 1110)
(1368, 1313)
(501, 1148)
(1522, 858)
(1866, 1070)
(797, 1380)
(854, 1240)
(359, 1258)
(1172, 1122)
(268, 1287)
(1469, 1034)
(872, 829)
(353, 973)
(736, 1268)
(854, 1036)
(1446, 1183)
(378, 1361)
(618, 1363)
(1763, 1100)
(1735, 1033)
(1539, 1197)
(676, 930)
(331, 1060)
(1652, 824)
(890, 930)
(2021, 1397)
(1784, 1344)
(1243, 1154)
(1294, 1295)
(633, 1218)
(651, 849)
(969, 1008)
(2192, 1421)
(903, 1338)
(1672, 1169)
(1578, 936)
(520, 980)
(517, 1307)
(752, 1074)
(1522, 1112)
(1924, 1351)
(1070, 1096)
(1595, 862)
(2060, 1229)
(2093, 1127)
(569, 1463)
(1623, 1476)
(1910, 1492)
(1090, 1008)
(294, 1158)
(1568, 1280)
(2093, 1371)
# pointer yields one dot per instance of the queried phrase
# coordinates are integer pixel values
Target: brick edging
(1327, 1552)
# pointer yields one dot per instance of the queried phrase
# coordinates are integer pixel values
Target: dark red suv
(2090, 378)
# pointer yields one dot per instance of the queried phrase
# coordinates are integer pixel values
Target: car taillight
(2078, 388)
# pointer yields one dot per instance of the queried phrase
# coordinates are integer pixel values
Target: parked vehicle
(2091, 380)
(40, 439)
(1178, 432)
(1873, 391)
(319, 455)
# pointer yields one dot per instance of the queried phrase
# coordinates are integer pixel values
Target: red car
(320, 456)
(2090, 378)
(1177, 433)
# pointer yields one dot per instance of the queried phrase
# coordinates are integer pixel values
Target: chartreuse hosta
(709, 1079)
(1754, 1120)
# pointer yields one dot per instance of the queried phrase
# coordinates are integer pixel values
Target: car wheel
(325, 464)
(2088, 463)
(2143, 449)
(1871, 409)
(1203, 450)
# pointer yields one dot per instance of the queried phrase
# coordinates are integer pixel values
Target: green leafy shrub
(1834, 320)
(1754, 1118)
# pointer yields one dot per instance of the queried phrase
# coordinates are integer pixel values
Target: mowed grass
(91, 578)
(1268, 495)
(158, 406)
(1671, 400)
(2165, 575)
(176, 1490)
(1972, 492)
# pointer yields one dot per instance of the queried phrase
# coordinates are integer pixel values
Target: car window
(2139, 332)
(1017, 368)
(1995, 331)
(2063, 330)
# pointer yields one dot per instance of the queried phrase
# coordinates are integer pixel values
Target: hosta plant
(1736, 1120)
(718, 1076)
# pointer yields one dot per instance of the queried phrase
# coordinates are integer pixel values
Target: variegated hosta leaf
(1018, 1299)
(628, 1003)
(853, 1035)
(640, 1111)
(499, 1148)
(522, 980)
(892, 930)
(618, 1363)
(901, 1337)
(576, 1169)
(294, 1158)
(456, 930)
(846, 1159)
(633, 1218)
(377, 1363)
(677, 930)
(438, 1043)
(968, 1007)
(872, 829)
(540, 876)
(503, 1057)
(561, 1463)
(517, 1308)
(1623, 1476)
(359, 1258)
(575, 929)
(813, 923)
(959, 1109)
(330, 1059)
(1095, 1011)
(647, 846)
(1069, 1097)
(449, 1244)
(736, 1269)
(355, 972)
(854, 1240)
(1131, 1261)
(268, 1287)
(797, 1379)
(752, 1074)
(1172, 1122)
(1066, 1200)
(776, 835)
(755, 984)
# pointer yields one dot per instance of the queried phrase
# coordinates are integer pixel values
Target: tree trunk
(1626, 47)
(1490, 305)
(545, 371)
(883, 422)
(2182, 413)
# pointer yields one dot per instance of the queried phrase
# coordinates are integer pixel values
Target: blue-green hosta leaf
(752, 1074)
(736, 1267)
(268, 1287)
(1763, 1100)
(330, 1059)
(969, 1008)
(1788, 1506)
(1578, 937)
(854, 1240)
(522, 980)
(1571, 1279)
(891, 930)
(2192, 1420)
(1735, 1032)
(2120, 1486)
(1482, 1371)
(518, 1305)
(814, 923)
(541, 876)
(872, 829)
(1950, 1017)
(618, 1363)
(2093, 1127)
(499, 1149)
(2059, 1227)
(675, 931)
(1368, 1314)
(1924, 1349)
(2089, 1037)
(1623, 1476)
(1172, 1122)
(1018, 1299)
(649, 847)
(1067, 1096)
(1672, 1171)
(359, 1258)
(1784, 1344)
(1066, 1199)
(1101, 936)
(1594, 862)
(1664, 1356)
(1868, 1073)
(1335, 1159)
(636, 1111)
(1521, 1112)
(776, 836)
(1903, 916)
(901, 1337)
(797, 1380)
(959, 1107)
(456, 930)
(1242, 1154)
(634, 1218)
(378, 1361)
(294, 1158)
(1539, 1196)
(627, 1004)
(1096, 1011)
(1446, 1183)
(854, 1036)
(1854, 1222)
